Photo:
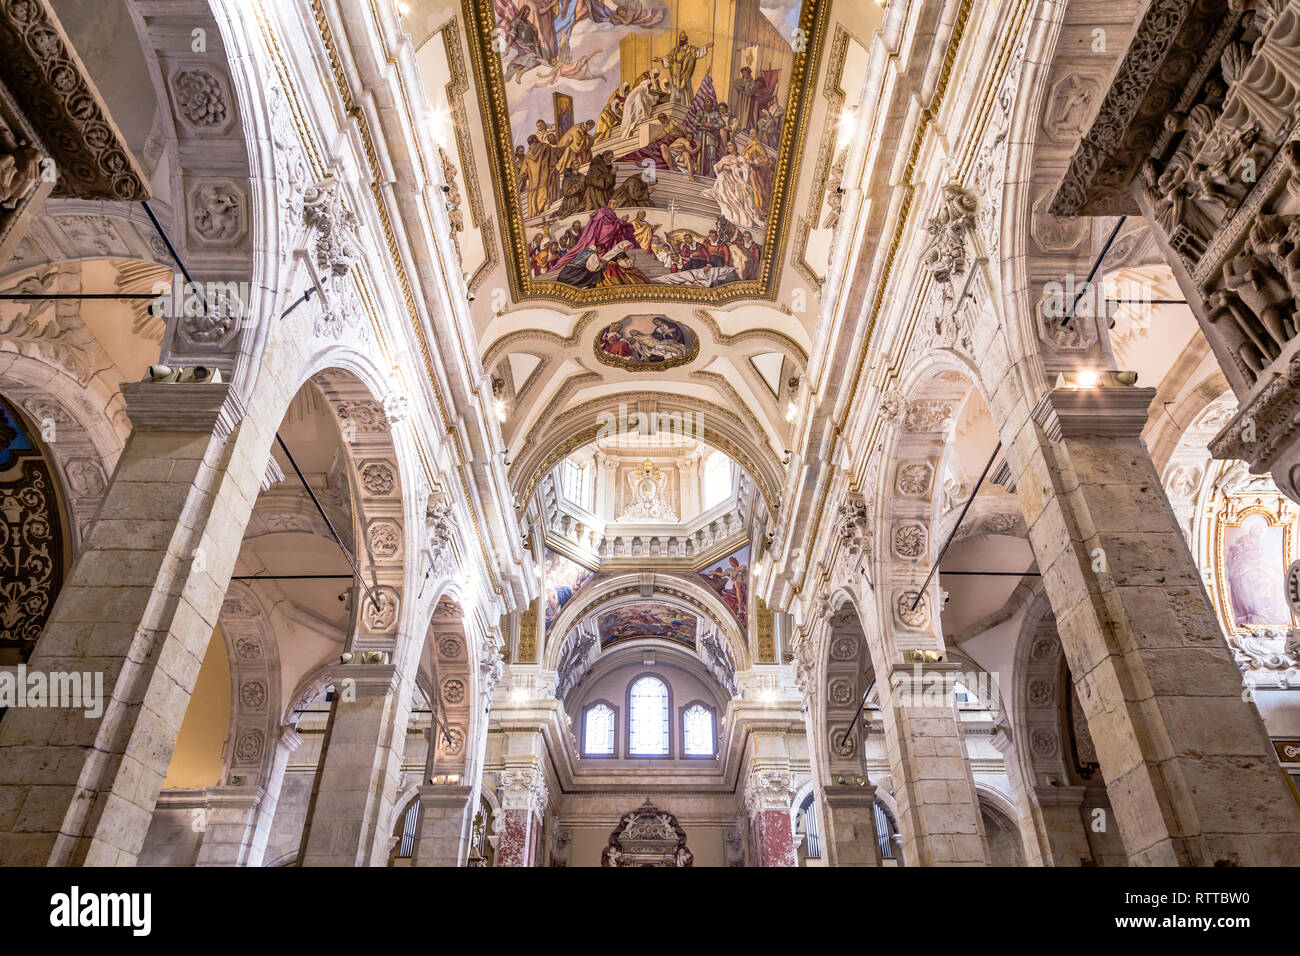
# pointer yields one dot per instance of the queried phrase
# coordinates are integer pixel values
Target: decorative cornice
(368, 680)
(183, 406)
(1093, 412)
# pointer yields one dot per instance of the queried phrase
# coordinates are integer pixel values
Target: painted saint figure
(680, 64)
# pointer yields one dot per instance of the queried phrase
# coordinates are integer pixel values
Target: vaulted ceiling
(591, 150)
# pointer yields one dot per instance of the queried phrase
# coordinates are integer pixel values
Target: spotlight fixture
(1091, 378)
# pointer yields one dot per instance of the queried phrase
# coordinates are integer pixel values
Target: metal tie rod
(1087, 283)
(960, 518)
(329, 524)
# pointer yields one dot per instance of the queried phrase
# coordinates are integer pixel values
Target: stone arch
(1044, 743)
(1167, 436)
(625, 588)
(1035, 716)
(1000, 832)
(718, 427)
(380, 521)
(845, 666)
(916, 447)
(255, 706)
(454, 693)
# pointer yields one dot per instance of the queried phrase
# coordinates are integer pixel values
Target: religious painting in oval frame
(646, 343)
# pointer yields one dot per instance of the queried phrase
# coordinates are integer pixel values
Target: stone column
(518, 821)
(356, 767)
(1191, 775)
(851, 838)
(442, 825)
(938, 808)
(1061, 810)
(139, 607)
(768, 796)
(289, 742)
(230, 817)
(1028, 817)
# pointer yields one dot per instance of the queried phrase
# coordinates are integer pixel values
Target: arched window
(648, 718)
(576, 485)
(598, 731)
(697, 731)
(717, 480)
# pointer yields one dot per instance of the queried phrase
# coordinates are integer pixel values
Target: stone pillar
(442, 825)
(1061, 810)
(1191, 775)
(356, 767)
(518, 821)
(851, 838)
(1028, 818)
(230, 817)
(289, 742)
(139, 607)
(938, 808)
(768, 796)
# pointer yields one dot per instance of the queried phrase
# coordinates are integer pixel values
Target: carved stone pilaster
(490, 667)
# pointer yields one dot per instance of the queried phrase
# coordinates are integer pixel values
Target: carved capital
(523, 788)
(769, 790)
(854, 523)
(183, 406)
(1077, 412)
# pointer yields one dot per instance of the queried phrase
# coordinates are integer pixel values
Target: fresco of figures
(646, 135)
(730, 578)
(646, 342)
(647, 620)
(563, 578)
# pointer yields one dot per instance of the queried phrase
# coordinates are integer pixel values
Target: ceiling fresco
(644, 146)
(647, 619)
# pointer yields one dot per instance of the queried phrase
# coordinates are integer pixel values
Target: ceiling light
(404, 8)
(500, 407)
(518, 695)
(790, 412)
